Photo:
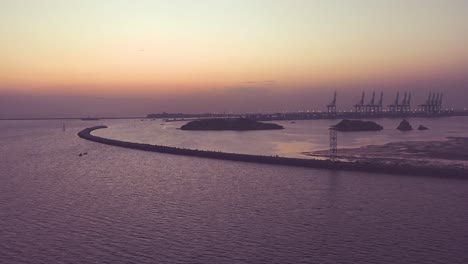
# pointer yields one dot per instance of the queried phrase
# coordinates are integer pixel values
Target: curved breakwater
(275, 160)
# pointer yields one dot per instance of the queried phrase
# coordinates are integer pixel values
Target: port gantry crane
(370, 107)
(373, 108)
(394, 107)
(401, 107)
(359, 107)
(425, 107)
(380, 104)
(407, 104)
(433, 104)
(439, 103)
(331, 108)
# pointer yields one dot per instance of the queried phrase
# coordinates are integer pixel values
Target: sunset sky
(177, 49)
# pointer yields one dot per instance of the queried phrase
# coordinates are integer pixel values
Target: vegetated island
(364, 165)
(238, 124)
(347, 125)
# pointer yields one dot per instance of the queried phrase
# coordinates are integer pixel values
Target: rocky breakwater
(364, 166)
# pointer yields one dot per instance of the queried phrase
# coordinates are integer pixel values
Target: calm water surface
(119, 205)
(296, 138)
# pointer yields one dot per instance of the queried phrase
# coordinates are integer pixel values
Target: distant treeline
(276, 160)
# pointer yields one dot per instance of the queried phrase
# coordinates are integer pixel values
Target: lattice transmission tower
(333, 144)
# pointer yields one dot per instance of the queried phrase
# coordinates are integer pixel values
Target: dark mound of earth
(240, 124)
(421, 127)
(404, 126)
(347, 125)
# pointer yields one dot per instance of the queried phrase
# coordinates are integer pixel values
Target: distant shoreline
(64, 118)
(290, 116)
(276, 160)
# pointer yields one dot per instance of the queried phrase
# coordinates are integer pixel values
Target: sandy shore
(449, 153)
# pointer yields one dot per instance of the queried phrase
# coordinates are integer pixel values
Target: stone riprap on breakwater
(275, 160)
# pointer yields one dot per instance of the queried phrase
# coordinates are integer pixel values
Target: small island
(238, 124)
(404, 126)
(347, 125)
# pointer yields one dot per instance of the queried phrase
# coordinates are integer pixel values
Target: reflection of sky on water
(298, 137)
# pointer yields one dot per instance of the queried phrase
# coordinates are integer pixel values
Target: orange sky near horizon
(170, 47)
